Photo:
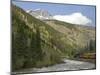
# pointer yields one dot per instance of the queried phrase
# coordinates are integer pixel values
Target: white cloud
(74, 18)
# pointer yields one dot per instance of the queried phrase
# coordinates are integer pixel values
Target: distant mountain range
(73, 18)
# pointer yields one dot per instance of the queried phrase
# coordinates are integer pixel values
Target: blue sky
(60, 9)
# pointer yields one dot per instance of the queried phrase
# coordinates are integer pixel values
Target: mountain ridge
(43, 14)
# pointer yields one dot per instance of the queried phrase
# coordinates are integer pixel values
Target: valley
(38, 43)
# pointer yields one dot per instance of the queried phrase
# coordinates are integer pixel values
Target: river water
(67, 65)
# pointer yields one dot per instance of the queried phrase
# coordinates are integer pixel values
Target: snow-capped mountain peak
(40, 14)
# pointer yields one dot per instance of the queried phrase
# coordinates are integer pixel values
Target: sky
(76, 14)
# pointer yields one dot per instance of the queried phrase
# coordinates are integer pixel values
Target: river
(67, 65)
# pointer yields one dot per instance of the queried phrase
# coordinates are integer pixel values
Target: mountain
(33, 41)
(40, 14)
(39, 43)
(74, 33)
